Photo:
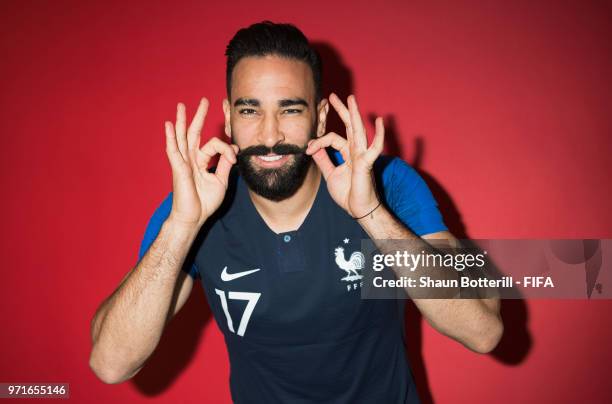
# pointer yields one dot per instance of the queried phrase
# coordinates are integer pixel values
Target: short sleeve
(410, 199)
(154, 226)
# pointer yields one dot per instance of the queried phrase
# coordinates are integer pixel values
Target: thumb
(324, 163)
(223, 170)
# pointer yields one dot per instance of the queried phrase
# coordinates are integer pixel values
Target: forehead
(269, 77)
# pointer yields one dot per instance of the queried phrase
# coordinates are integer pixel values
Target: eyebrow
(286, 102)
(249, 102)
(292, 101)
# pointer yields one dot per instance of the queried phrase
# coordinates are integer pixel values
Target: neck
(289, 214)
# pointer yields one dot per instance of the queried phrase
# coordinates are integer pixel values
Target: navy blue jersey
(404, 192)
(290, 308)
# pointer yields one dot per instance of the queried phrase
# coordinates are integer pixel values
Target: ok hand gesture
(350, 184)
(197, 193)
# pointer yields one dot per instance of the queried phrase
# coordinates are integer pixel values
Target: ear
(322, 110)
(226, 113)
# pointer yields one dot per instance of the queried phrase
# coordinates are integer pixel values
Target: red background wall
(505, 109)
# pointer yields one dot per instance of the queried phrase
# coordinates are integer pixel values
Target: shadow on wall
(516, 342)
(337, 78)
(177, 347)
(179, 342)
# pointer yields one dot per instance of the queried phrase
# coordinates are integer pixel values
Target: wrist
(376, 223)
(183, 228)
(361, 210)
(369, 212)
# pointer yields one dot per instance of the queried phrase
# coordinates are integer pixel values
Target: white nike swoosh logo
(230, 277)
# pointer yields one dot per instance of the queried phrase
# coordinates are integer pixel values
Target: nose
(270, 133)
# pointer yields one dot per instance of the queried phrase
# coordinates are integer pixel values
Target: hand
(350, 184)
(197, 193)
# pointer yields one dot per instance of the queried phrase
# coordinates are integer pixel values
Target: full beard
(275, 184)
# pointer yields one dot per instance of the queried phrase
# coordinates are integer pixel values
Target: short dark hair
(268, 38)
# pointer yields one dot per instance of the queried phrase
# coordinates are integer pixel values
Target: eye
(292, 111)
(247, 111)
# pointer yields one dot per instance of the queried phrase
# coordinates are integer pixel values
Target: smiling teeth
(270, 158)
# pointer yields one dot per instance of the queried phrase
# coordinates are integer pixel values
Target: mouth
(271, 160)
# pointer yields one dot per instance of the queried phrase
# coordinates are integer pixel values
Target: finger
(322, 118)
(174, 156)
(324, 163)
(378, 142)
(340, 108)
(223, 170)
(343, 112)
(180, 130)
(359, 133)
(331, 139)
(213, 147)
(195, 129)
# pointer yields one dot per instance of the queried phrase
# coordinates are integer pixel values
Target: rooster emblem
(355, 263)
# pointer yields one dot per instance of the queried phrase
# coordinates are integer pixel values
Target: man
(269, 238)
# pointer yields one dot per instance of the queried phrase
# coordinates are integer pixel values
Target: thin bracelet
(369, 213)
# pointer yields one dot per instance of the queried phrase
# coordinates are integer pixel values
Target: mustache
(279, 149)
